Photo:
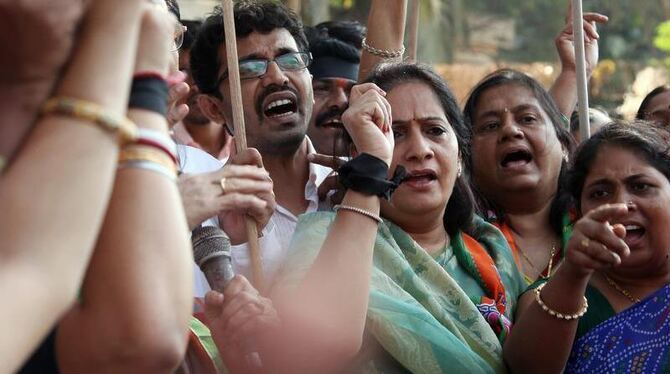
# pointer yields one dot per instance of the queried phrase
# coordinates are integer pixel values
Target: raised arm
(136, 301)
(56, 191)
(564, 89)
(594, 245)
(385, 31)
(322, 320)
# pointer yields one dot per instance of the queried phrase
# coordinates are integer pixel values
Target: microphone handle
(219, 272)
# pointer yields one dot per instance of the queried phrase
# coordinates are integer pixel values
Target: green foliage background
(628, 36)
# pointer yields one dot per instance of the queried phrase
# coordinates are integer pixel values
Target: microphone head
(209, 242)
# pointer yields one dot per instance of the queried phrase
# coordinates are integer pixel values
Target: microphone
(211, 251)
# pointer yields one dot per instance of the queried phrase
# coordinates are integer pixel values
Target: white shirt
(278, 232)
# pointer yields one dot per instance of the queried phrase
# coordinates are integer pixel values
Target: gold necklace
(551, 259)
(616, 286)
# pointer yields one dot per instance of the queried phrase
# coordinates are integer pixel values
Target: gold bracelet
(92, 112)
(555, 314)
(384, 53)
(359, 211)
(142, 153)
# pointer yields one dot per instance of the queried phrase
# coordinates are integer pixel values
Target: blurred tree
(446, 26)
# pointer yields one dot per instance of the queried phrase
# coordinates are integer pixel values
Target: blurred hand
(565, 41)
(237, 315)
(250, 187)
(177, 109)
(595, 243)
(156, 40)
(368, 121)
(41, 34)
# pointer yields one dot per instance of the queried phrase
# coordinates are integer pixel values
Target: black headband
(334, 67)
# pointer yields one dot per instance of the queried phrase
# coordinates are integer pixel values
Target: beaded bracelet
(385, 53)
(159, 140)
(555, 314)
(92, 112)
(359, 211)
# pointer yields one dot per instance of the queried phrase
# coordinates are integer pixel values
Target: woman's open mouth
(516, 159)
(420, 179)
(634, 234)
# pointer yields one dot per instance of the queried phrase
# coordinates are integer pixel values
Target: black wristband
(150, 93)
(368, 174)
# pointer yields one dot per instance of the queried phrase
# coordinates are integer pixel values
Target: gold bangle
(359, 211)
(92, 112)
(555, 314)
(384, 53)
(148, 154)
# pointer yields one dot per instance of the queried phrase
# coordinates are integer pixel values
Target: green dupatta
(418, 310)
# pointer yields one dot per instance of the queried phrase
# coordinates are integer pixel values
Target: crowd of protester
(398, 231)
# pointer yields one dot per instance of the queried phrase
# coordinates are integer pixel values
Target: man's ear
(211, 107)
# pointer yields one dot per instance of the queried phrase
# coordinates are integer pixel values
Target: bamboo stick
(240, 133)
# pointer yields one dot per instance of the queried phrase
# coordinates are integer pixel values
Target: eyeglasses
(254, 68)
(178, 40)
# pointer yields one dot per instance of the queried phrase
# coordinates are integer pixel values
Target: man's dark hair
(642, 111)
(342, 39)
(250, 16)
(647, 139)
(192, 28)
(512, 77)
(460, 207)
(173, 7)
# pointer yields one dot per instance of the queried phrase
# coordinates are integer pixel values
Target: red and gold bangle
(84, 110)
(159, 140)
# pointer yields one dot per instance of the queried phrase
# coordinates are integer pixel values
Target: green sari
(422, 309)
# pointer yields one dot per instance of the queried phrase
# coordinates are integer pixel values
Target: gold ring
(222, 182)
(585, 242)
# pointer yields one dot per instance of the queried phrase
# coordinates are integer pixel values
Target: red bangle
(151, 143)
(148, 74)
(158, 140)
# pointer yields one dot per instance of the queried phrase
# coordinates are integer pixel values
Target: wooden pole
(580, 59)
(240, 133)
(413, 42)
(294, 5)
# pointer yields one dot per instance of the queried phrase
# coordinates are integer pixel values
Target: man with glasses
(277, 98)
